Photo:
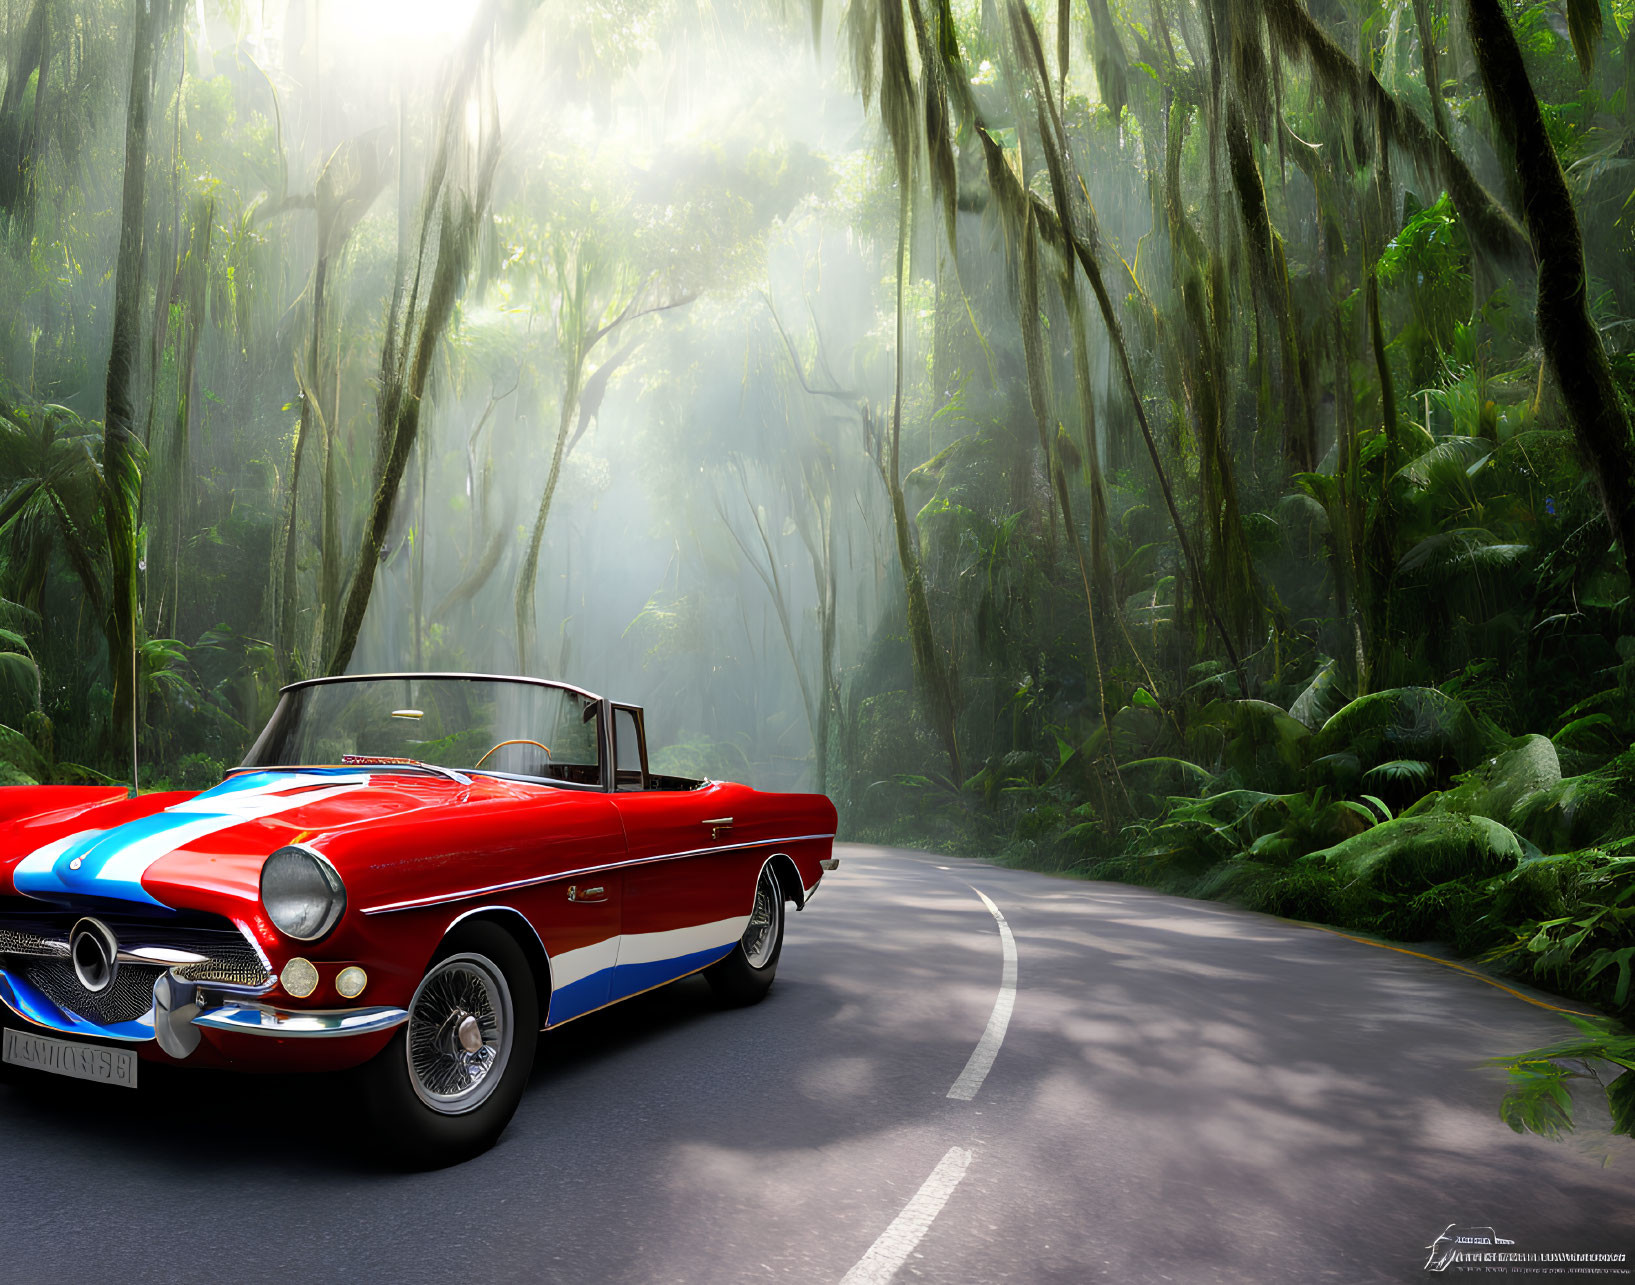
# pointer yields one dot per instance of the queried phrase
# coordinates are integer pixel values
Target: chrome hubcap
(459, 1036)
(762, 933)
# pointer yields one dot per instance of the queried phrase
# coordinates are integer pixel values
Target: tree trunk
(416, 326)
(329, 519)
(826, 655)
(402, 426)
(285, 598)
(1271, 291)
(17, 136)
(121, 448)
(1428, 61)
(936, 689)
(529, 572)
(194, 287)
(1572, 345)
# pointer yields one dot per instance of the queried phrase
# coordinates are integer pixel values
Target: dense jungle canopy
(1180, 441)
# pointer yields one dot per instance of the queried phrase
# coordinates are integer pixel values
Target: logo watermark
(1482, 1249)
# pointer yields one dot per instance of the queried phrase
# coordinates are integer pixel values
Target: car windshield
(497, 724)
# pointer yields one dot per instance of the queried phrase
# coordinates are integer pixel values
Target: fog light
(299, 977)
(351, 982)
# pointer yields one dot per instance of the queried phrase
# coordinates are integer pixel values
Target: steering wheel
(520, 740)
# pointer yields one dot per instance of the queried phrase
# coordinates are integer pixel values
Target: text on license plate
(81, 1061)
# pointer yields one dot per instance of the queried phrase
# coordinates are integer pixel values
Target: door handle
(719, 826)
(576, 893)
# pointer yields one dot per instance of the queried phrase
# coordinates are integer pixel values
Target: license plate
(59, 1057)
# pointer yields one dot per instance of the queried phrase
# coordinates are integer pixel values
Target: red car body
(610, 891)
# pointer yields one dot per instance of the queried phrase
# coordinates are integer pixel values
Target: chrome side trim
(287, 1024)
(534, 880)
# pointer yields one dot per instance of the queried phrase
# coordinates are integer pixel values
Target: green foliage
(1540, 1101)
(198, 771)
(1417, 723)
(1428, 261)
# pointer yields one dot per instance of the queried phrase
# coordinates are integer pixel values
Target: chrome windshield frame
(603, 707)
(439, 673)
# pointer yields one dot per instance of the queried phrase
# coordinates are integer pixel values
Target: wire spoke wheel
(761, 936)
(460, 1034)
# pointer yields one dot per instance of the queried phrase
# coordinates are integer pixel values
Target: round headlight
(303, 894)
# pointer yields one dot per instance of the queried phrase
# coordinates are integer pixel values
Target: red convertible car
(410, 875)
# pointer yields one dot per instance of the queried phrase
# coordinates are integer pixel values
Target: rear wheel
(449, 1081)
(745, 976)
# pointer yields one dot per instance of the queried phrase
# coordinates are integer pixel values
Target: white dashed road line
(976, 1070)
(897, 1242)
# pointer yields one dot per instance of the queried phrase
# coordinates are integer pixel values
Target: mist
(1170, 447)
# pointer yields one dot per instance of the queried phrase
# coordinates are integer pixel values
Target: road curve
(1181, 1092)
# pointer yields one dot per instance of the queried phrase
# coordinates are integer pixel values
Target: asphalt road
(1184, 1092)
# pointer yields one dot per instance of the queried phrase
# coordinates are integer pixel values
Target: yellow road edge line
(1448, 963)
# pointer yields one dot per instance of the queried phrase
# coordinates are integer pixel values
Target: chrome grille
(228, 966)
(17, 941)
(30, 937)
(129, 998)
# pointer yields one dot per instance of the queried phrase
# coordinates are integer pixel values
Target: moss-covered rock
(1413, 853)
(1504, 783)
(1578, 811)
(1527, 768)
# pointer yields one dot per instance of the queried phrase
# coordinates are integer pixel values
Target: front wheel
(745, 976)
(450, 1080)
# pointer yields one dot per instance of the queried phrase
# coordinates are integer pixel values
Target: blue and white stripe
(593, 976)
(111, 863)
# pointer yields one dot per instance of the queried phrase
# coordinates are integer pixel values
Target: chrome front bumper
(289, 1023)
(179, 1018)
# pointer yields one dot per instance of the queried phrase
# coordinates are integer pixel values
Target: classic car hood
(189, 850)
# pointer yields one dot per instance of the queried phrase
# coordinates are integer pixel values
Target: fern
(1399, 772)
